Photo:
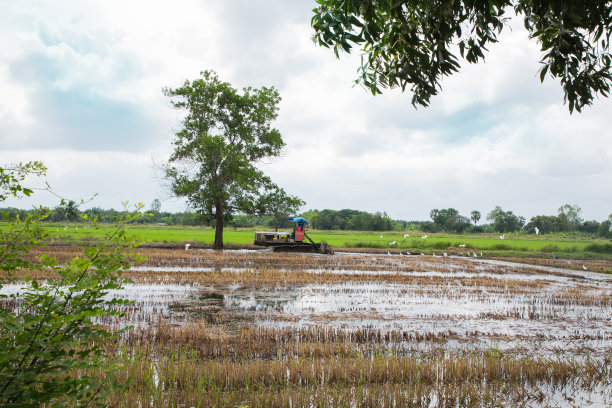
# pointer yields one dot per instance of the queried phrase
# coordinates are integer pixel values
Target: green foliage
(550, 248)
(449, 220)
(52, 344)
(11, 178)
(589, 227)
(276, 203)
(599, 248)
(502, 247)
(225, 133)
(475, 216)
(544, 223)
(155, 206)
(569, 217)
(348, 220)
(605, 229)
(415, 43)
(505, 221)
(441, 244)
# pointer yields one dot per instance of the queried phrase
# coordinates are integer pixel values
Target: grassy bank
(515, 245)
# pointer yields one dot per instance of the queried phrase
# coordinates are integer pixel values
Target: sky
(81, 85)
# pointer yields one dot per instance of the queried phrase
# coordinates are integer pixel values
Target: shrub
(441, 245)
(501, 247)
(550, 248)
(599, 248)
(48, 347)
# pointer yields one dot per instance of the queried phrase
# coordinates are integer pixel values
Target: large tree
(410, 43)
(225, 133)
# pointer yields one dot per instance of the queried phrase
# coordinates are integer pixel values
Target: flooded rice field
(256, 328)
(471, 301)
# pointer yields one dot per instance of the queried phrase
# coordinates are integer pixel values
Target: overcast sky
(81, 85)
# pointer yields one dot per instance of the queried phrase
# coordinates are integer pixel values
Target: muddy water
(459, 301)
(533, 307)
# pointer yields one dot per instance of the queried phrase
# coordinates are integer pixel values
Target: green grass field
(512, 244)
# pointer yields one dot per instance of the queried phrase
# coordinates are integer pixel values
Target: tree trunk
(219, 228)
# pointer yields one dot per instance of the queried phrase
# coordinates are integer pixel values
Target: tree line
(567, 220)
(323, 220)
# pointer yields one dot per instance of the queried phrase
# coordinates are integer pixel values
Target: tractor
(292, 241)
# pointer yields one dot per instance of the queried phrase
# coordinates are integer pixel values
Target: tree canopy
(409, 43)
(505, 221)
(449, 219)
(225, 133)
(278, 204)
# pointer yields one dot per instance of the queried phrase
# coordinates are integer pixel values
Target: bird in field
(585, 268)
(381, 237)
(393, 243)
(445, 254)
(187, 246)
(406, 236)
(501, 237)
(462, 246)
(425, 236)
(474, 254)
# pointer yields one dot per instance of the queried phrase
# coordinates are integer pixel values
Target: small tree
(443, 217)
(505, 221)
(569, 217)
(475, 216)
(605, 229)
(155, 206)
(50, 346)
(225, 133)
(276, 203)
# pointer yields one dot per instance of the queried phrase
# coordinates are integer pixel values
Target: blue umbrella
(299, 220)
